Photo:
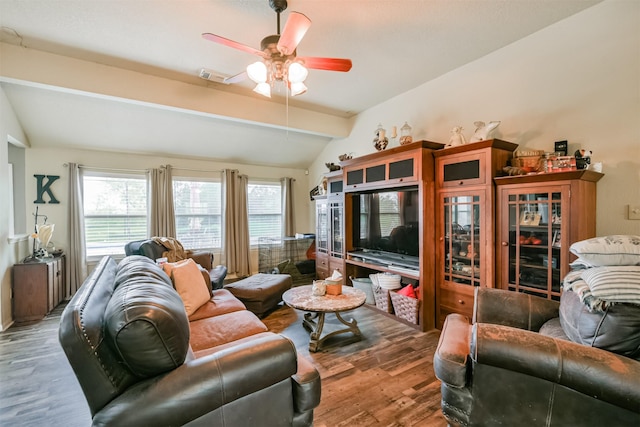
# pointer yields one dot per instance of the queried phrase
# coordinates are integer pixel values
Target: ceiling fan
(279, 57)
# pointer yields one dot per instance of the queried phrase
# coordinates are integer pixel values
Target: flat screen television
(386, 226)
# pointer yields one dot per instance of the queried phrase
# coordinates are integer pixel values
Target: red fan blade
(230, 43)
(294, 30)
(330, 64)
(235, 79)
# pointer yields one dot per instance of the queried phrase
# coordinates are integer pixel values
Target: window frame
(254, 240)
(93, 254)
(217, 181)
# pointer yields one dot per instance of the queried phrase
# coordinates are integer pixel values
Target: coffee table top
(302, 298)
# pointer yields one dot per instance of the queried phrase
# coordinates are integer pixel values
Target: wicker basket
(406, 308)
(383, 301)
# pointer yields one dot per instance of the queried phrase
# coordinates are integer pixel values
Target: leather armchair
(154, 250)
(500, 370)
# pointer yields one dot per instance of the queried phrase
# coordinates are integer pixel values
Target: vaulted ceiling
(124, 75)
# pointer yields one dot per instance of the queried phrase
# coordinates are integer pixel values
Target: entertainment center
(447, 221)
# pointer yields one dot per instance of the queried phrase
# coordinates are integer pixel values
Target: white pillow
(616, 249)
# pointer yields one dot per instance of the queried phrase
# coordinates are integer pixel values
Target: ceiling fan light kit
(279, 57)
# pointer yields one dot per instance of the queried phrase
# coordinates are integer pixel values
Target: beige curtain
(162, 219)
(76, 252)
(288, 217)
(236, 245)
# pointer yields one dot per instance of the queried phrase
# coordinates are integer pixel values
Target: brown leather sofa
(141, 361)
(500, 370)
(154, 250)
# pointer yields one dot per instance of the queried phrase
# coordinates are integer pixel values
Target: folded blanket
(600, 287)
(573, 282)
(175, 251)
(614, 283)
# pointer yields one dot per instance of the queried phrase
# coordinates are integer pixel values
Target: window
(198, 210)
(115, 212)
(265, 211)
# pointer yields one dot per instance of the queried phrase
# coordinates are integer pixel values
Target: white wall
(577, 80)
(12, 248)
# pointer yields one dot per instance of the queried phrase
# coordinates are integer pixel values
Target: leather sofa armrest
(200, 386)
(306, 386)
(591, 371)
(451, 357)
(515, 309)
(204, 258)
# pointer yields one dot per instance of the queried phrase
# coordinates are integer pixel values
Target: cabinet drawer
(458, 300)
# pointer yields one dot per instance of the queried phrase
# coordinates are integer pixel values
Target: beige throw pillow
(188, 281)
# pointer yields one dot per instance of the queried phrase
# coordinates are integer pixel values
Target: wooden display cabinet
(322, 237)
(539, 217)
(465, 218)
(37, 288)
(406, 170)
(330, 228)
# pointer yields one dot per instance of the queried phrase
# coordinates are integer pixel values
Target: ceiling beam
(26, 66)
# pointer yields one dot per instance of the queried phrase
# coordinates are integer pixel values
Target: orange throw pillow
(188, 281)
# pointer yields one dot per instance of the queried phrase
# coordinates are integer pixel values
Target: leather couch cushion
(145, 321)
(221, 302)
(217, 330)
(138, 267)
(189, 283)
(552, 328)
(616, 329)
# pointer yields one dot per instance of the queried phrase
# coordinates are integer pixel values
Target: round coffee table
(301, 298)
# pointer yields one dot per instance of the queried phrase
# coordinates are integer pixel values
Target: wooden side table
(37, 288)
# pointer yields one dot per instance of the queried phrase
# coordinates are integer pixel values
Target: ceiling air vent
(212, 76)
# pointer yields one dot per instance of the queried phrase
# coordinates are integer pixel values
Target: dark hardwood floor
(386, 379)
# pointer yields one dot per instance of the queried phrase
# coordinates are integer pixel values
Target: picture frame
(526, 217)
(557, 238)
(536, 217)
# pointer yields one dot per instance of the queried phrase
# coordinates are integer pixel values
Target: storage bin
(389, 281)
(365, 285)
(404, 307)
(383, 301)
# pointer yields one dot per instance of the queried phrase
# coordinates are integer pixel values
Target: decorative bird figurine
(483, 130)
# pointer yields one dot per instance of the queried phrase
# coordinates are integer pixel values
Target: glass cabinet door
(535, 242)
(462, 251)
(336, 214)
(322, 224)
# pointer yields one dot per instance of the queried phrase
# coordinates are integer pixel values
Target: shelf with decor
(330, 227)
(538, 218)
(465, 222)
(388, 208)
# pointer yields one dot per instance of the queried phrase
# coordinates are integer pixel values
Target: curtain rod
(107, 169)
(191, 170)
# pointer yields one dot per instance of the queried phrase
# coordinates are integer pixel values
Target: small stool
(260, 292)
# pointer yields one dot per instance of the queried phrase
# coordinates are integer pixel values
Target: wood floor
(385, 379)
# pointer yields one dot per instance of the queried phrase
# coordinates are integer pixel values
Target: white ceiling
(395, 46)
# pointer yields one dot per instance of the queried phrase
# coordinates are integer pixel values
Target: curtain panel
(77, 252)
(288, 214)
(162, 219)
(236, 244)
